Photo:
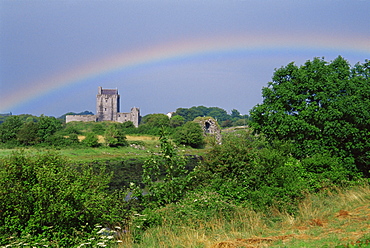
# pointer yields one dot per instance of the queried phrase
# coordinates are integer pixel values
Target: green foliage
(156, 120)
(219, 114)
(47, 126)
(9, 128)
(242, 122)
(59, 141)
(69, 129)
(194, 210)
(227, 123)
(200, 111)
(91, 140)
(128, 124)
(28, 133)
(114, 136)
(197, 208)
(153, 124)
(165, 174)
(47, 198)
(248, 170)
(190, 134)
(177, 121)
(321, 108)
(98, 128)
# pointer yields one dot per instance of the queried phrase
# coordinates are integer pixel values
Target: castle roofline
(109, 92)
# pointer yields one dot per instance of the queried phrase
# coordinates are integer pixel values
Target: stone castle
(107, 109)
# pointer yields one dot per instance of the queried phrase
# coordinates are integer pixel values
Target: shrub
(91, 140)
(46, 197)
(165, 174)
(190, 134)
(114, 136)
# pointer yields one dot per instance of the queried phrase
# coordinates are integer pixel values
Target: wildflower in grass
(101, 244)
(118, 227)
(101, 231)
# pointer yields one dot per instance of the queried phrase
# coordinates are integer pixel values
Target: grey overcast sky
(162, 54)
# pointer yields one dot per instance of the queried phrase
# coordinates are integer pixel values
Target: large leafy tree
(9, 128)
(321, 107)
(190, 134)
(153, 123)
(47, 126)
(201, 111)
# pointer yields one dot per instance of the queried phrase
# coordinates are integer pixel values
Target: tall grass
(327, 219)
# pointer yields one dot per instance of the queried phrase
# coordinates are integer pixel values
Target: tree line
(28, 130)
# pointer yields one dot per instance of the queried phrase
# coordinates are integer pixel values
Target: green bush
(248, 170)
(114, 136)
(91, 140)
(47, 198)
(164, 174)
(190, 134)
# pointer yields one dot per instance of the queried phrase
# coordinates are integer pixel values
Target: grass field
(145, 145)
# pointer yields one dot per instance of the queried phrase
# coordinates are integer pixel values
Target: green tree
(91, 140)
(177, 121)
(153, 123)
(128, 124)
(114, 136)
(9, 128)
(98, 128)
(227, 123)
(235, 114)
(27, 135)
(190, 134)
(47, 126)
(321, 107)
(156, 120)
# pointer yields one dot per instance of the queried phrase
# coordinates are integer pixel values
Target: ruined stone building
(210, 127)
(108, 109)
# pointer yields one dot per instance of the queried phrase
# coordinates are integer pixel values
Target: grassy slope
(336, 218)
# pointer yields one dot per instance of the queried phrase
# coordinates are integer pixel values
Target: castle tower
(107, 104)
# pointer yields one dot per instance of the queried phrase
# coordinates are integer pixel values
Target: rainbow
(179, 51)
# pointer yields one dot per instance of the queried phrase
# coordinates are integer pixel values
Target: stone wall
(210, 127)
(84, 118)
(132, 116)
